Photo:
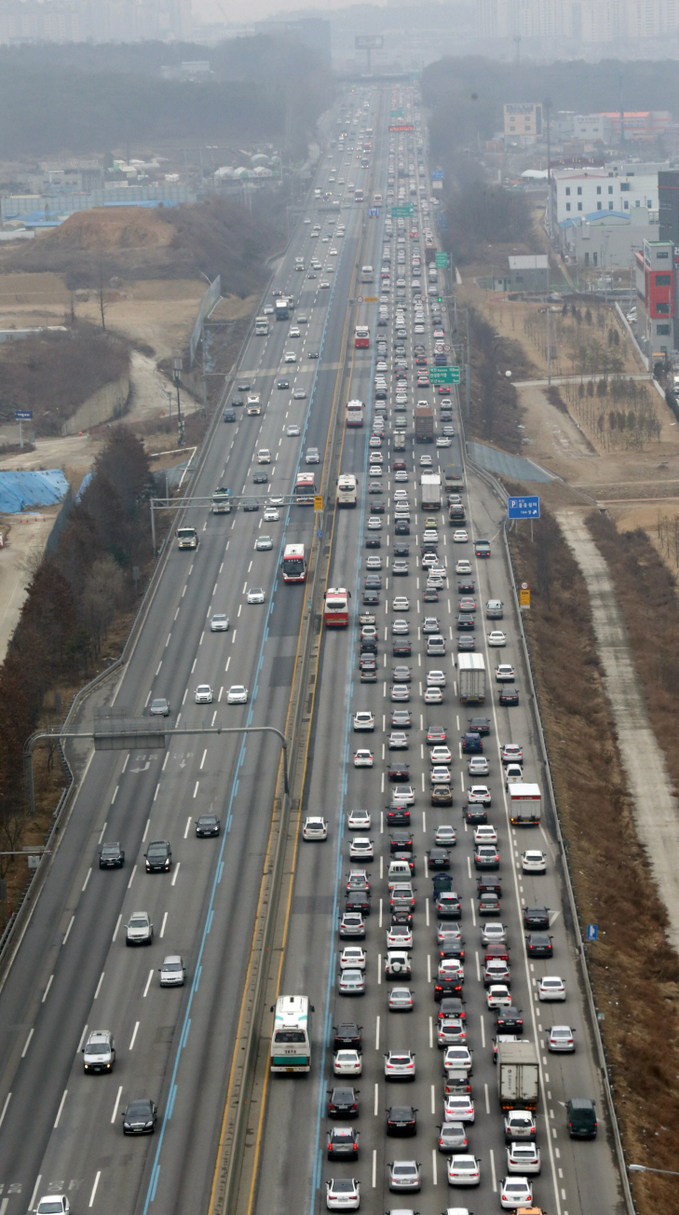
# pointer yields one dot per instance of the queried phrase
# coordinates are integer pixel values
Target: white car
(263, 544)
(294, 332)
(492, 931)
(256, 595)
(440, 755)
(444, 836)
(440, 775)
(523, 1158)
(373, 563)
(237, 695)
(315, 828)
(361, 849)
(498, 996)
(289, 357)
(271, 515)
(399, 938)
(504, 673)
(516, 1192)
(497, 638)
(436, 679)
(460, 537)
(400, 603)
(342, 1193)
(292, 432)
(359, 820)
(463, 567)
(534, 862)
(53, 1204)
(479, 795)
(464, 1170)
(347, 1063)
(444, 441)
(203, 694)
(551, 987)
(351, 983)
(458, 1108)
(433, 696)
(352, 957)
(363, 759)
(363, 720)
(219, 623)
(478, 766)
(485, 833)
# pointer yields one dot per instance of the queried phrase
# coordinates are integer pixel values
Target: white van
(399, 871)
(263, 456)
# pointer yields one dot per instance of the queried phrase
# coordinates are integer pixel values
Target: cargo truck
(424, 424)
(221, 502)
(518, 1076)
(453, 476)
(261, 326)
(187, 537)
(525, 803)
(471, 678)
(281, 309)
(430, 491)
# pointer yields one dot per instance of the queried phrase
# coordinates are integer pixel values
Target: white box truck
(518, 1075)
(525, 803)
(430, 491)
(471, 678)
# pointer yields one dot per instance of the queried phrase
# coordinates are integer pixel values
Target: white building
(584, 192)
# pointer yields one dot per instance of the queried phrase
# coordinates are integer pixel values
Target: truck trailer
(525, 804)
(424, 424)
(518, 1076)
(471, 678)
(430, 491)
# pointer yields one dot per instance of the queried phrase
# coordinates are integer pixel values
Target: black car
(140, 1117)
(452, 949)
(347, 1036)
(474, 814)
(371, 597)
(377, 508)
(402, 527)
(260, 478)
(283, 384)
(398, 771)
(449, 988)
(465, 644)
(480, 725)
(401, 916)
(237, 402)
(509, 696)
(398, 816)
(401, 841)
(401, 550)
(207, 824)
(229, 415)
(111, 856)
(438, 858)
(342, 1102)
(243, 385)
(342, 1143)
(452, 1008)
(489, 884)
(401, 647)
(539, 945)
(441, 795)
(536, 917)
(509, 1021)
(251, 505)
(465, 622)
(158, 856)
(401, 1120)
(373, 582)
(373, 541)
(312, 354)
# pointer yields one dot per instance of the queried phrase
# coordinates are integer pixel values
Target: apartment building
(657, 273)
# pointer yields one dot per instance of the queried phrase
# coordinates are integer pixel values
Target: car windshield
(49, 1206)
(95, 1048)
(138, 922)
(138, 1109)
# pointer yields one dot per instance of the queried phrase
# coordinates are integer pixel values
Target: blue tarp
(83, 486)
(23, 490)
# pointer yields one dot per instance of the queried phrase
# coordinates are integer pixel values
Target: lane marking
(162, 927)
(94, 1188)
(28, 1043)
(134, 1035)
(61, 1106)
(49, 984)
(116, 1104)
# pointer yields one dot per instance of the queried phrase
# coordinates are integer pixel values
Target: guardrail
(500, 492)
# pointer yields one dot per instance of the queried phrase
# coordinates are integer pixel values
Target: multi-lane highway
(61, 1130)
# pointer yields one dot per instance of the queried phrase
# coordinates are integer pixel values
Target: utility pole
(547, 105)
(468, 375)
(549, 351)
(177, 364)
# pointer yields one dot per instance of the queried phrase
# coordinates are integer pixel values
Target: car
(403, 795)
(401, 647)
(160, 707)
(361, 849)
(342, 1194)
(172, 972)
(325, 286)
(484, 833)
(271, 515)
(513, 775)
(552, 988)
(158, 856)
(312, 456)
(431, 624)
(342, 1102)
(460, 536)
(399, 567)
(492, 932)
(523, 1158)
(474, 813)
(464, 1170)
(400, 999)
(313, 354)
(465, 643)
(498, 996)
(139, 929)
(352, 957)
(440, 775)
(237, 694)
(53, 1204)
(536, 917)
(436, 679)
(140, 1116)
(463, 567)
(511, 753)
(373, 563)
(471, 743)
(479, 795)
(250, 504)
(363, 758)
(441, 795)
(352, 925)
(430, 594)
(207, 825)
(347, 1063)
(478, 765)
(374, 523)
(289, 357)
(433, 696)
(314, 828)
(260, 478)
(452, 1138)
(533, 861)
(458, 1107)
(400, 692)
(255, 595)
(263, 544)
(516, 1192)
(398, 771)
(486, 857)
(399, 1065)
(399, 936)
(401, 719)
(359, 820)
(219, 623)
(400, 603)
(509, 1020)
(99, 1055)
(539, 945)
(397, 741)
(444, 836)
(448, 905)
(560, 1038)
(508, 697)
(400, 628)
(111, 856)
(283, 384)
(401, 1120)
(364, 720)
(342, 1143)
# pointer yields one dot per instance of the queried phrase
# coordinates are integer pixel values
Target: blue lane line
(155, 1171)
(327, 1016)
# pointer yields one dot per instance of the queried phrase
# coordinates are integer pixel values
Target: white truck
(471, 679)
(187, 538)
(518, 1075)
(221, 501)
(430, 491)
(525, 802)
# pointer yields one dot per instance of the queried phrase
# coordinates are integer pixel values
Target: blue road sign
(373, 212)
(319, 533)
(523, 508)
(592, 932)
(437, 175)
(24, 415)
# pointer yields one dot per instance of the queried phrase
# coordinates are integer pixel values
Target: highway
(62, 1129)
(576, 1177)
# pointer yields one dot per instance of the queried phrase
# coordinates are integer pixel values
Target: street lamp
(177, 364)
(644, 1168)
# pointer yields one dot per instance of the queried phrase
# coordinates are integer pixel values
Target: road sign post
(23, 415)
(444, 375)
(592, 932)
(441, 261)
(523, 508)
(405, 212)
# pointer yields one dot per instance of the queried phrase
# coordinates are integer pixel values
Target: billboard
(369, 42)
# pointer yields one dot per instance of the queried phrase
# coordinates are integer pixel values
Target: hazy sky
(254, 10)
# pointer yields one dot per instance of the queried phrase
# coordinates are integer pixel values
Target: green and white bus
(291, 1037)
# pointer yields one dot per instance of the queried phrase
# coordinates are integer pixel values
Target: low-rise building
(657, 277)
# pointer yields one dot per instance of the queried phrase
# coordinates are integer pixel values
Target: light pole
(644, 1168)
(177, 364)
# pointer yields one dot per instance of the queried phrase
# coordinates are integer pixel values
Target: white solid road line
(68, 930)
(4, 1108)
(134, 1035)
(36, 1190)
(162, 927)
(49, 984)
(101, 979)
(115, 1105)
(94, 1188)
(61, 1106)
(148, 984)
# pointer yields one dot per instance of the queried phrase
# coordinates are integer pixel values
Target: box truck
(524, 803)
(471, 678)
(518, 1075)
(430, 491)
(424, 424)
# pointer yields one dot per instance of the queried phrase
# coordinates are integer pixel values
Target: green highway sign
(444, 375)
(403, 212)
(441, 261)
(397, 113)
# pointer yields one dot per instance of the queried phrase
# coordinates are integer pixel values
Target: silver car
(219, 623)
(404, 1175)
(351, 983)
(172, 972)
(139, 929)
